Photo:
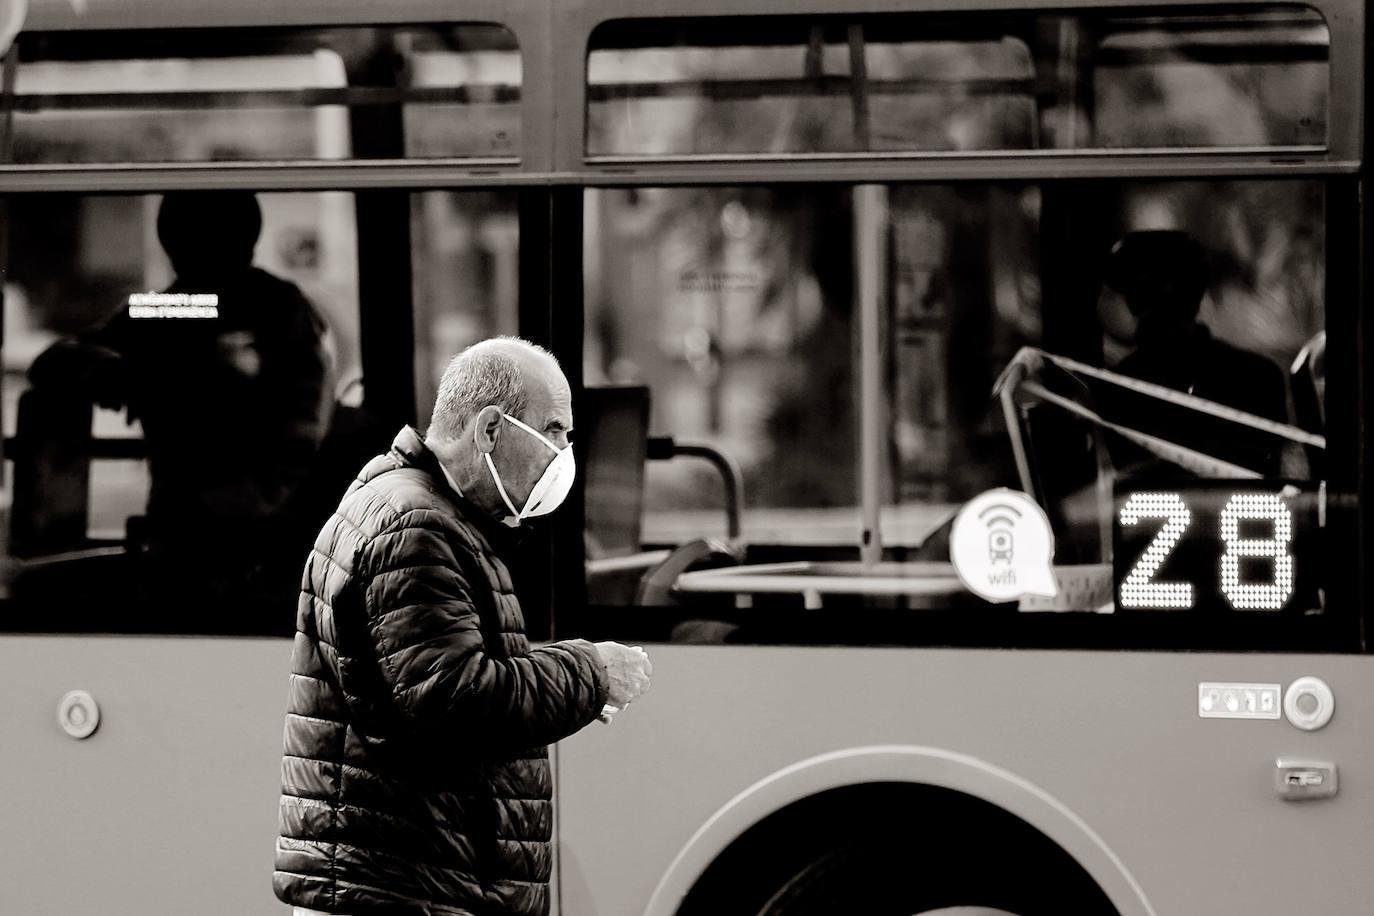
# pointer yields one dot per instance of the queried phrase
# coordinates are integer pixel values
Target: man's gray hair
(485, 373)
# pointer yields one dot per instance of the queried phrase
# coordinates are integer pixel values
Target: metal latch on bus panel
(1299, 780)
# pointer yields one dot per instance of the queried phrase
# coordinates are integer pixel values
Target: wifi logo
(1001, 546)
(1000, 519)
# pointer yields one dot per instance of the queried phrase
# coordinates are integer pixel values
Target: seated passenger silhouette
(1162, 276)
(234, 397)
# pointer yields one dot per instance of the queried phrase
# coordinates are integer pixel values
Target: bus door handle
(1300, 780)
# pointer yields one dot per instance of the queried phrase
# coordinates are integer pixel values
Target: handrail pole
(870, 250)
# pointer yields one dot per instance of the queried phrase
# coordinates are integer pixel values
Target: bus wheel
(894, 849)
(874, 881)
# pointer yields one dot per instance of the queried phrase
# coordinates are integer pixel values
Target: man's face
(520, 457)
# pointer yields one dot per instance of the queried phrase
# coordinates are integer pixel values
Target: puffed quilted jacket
(415, 777)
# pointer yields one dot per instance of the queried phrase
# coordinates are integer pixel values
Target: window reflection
(266, 95)
(928, 83)
(733, 306)
(465, 256)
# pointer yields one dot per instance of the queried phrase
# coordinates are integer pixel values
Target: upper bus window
(924, 83)
(191, 96)
(1253, 80)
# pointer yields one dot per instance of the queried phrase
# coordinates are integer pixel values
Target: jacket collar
(408, 450)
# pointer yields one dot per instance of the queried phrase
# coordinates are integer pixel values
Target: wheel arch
(911, 764)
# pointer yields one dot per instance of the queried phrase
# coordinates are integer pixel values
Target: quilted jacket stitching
(341, 574)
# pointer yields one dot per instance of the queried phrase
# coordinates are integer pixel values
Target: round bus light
(78, 714)
(1309, 703)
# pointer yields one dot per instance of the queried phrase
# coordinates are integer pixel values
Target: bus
(830, 279)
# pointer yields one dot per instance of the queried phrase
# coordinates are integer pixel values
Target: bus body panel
(173, 800)
(171, 805)
(1113, 736)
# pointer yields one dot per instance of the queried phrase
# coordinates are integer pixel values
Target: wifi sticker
(1001, 546)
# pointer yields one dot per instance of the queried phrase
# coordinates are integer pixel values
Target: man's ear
(487, 428)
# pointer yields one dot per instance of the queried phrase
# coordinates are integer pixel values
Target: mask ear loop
(557, 453)
(496, 479)
(533, 432)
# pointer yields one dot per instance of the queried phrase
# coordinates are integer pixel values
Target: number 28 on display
(1244, 552)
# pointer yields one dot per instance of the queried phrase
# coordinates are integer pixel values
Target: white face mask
(552, 486)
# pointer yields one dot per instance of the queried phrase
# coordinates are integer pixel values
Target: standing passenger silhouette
(234, 398)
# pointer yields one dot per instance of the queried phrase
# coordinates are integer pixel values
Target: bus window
(928, 83)
(727, 304)
(265, 95)
(792, 86)
(151, 390)
(735, 308)
(465, 256)
(163, 399)
(1162, 82)
(485, 121)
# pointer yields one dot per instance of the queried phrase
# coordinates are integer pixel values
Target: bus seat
(51, 450)
(656, 585)
(613, 446)
(656, 588)
(613, 423)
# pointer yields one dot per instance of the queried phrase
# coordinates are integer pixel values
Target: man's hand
(628, 670)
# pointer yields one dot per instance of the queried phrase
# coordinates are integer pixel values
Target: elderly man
(416, 776)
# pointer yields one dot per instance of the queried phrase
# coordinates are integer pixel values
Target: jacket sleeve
(427, 634)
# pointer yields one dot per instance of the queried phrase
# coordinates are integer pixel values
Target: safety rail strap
(1189, 459)
(1029, 359)
(1169, 395)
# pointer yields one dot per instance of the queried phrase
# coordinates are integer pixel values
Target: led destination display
(1216, 546)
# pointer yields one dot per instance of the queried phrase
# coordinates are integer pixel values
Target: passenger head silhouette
(209, 232)
(1161, 273)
